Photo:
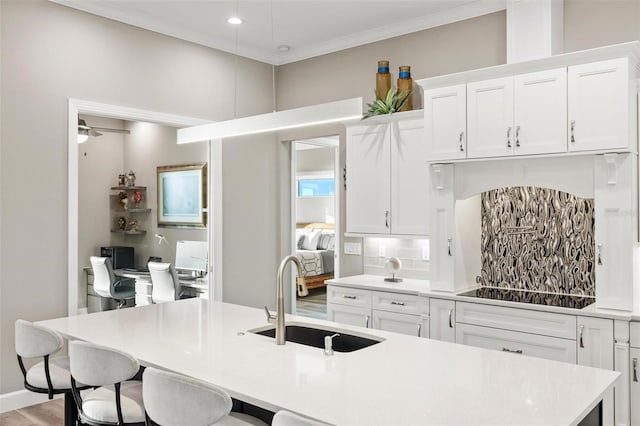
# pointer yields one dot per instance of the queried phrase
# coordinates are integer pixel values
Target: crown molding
(112, 10)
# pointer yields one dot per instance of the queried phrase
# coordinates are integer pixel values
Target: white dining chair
(172, 399)
(287, 418)
(106, 284)
(166, 286)
(51, 375)
(116, 399)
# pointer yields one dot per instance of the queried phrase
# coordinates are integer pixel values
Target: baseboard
(22, 398)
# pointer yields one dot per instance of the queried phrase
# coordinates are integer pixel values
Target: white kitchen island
(403, 380)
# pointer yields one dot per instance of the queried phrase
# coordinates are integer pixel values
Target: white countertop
(403, 380)
(422, 288)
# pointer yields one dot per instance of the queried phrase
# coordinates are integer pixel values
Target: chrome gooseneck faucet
(280, 328)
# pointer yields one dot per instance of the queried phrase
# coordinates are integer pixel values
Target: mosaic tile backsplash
(537, 239)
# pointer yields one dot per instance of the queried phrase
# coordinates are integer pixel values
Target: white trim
(420, 23)
(79, 106)
(116, 12)
(22, 398)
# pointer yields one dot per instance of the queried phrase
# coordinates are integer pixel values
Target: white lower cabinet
(634, 372)
(442, 315)
(398, 323)
(396, 312)
(516, 342)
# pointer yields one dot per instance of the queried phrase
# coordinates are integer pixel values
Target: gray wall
(51, 53)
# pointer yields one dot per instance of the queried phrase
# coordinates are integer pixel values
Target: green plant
(392, 103)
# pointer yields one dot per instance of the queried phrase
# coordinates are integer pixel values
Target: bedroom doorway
(315, 206)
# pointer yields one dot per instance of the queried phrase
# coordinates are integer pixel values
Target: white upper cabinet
(521, 115)
(409, 179)
(445, 118)
(387, 178)
(368, 179)
(540, 112)
(490, 118)
(599, 106)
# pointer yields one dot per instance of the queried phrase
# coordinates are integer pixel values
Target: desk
(191, 288)
(403, 380)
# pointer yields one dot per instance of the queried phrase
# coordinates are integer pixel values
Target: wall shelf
(134, 210)
(128, 188)
(120, 231)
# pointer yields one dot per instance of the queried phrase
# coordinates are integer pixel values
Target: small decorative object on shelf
(132, 225)
(122, 223)
(131, 178)
(383, 80)
(393, 102)
(137, 198)
(405, 85)
(122, 179)
(393, 265)
(124, 200)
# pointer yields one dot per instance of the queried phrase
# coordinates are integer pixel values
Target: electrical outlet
(353, 248)
(425, 253)
(381, 251)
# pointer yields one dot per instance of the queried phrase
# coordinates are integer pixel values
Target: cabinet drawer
(399, 323)
(349, 296)
(515, 319)
(350, 315)
(402, 303)
(143, 287)
(635, 334)
(519, 343)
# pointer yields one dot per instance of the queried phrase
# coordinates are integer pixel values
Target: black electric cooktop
(537, 298)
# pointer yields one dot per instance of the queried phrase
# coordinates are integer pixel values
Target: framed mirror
(182, 196)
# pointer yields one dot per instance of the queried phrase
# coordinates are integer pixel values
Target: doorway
(98, 111)
(315, 204)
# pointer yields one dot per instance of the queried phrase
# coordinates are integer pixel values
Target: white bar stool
(116, 400)
(172, 399)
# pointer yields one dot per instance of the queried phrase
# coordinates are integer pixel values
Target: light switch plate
(353, 248)
(425, 253)
(381, 251)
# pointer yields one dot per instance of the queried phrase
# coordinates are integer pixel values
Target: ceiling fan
(85, 130)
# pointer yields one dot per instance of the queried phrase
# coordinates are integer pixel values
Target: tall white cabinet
(387, 177)
(445, 115)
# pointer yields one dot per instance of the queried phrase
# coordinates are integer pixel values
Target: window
(318, 187)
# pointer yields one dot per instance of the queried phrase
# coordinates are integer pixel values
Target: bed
(315, 250)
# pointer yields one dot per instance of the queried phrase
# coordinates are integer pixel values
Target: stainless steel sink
(313, 335)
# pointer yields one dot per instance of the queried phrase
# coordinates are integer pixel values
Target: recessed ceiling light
(234, 20)
(284, 48)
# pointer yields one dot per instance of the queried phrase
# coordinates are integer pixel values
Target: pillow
(324, 240)
(311, 240)
(300, 241)
(331, 245)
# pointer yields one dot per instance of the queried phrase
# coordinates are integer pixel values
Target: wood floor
(50, 413)
(314, 305)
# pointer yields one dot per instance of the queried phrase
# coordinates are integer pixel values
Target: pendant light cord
(235, 70)
(273, 66)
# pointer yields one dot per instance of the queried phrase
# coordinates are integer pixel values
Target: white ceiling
(310, 27)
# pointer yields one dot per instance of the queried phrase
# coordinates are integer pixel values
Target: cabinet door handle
(346, 296)
(581, 332)
(393, 302)
(450, 319)
(513, 351)
(573, 131)
(366, 321)
(386, 218)
(599, 246)
(449, 246)
(419, 329)
(461, 138)
(517, 136)
(509, 137)
(635, 369)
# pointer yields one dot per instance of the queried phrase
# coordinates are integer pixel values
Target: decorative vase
(405, 85)
(383, 80)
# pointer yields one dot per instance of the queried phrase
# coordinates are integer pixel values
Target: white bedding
(311, 262)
